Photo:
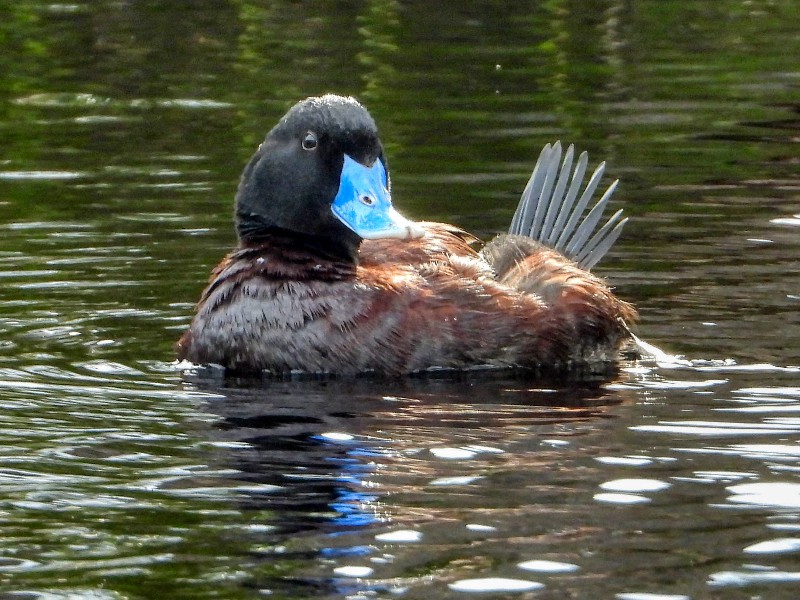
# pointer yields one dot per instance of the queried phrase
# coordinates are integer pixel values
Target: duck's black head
(321, 174)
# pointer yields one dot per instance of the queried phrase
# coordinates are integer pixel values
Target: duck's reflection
(328, 443)
(355, 458)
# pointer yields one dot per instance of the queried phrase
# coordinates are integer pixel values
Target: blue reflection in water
(350, 506)
(361, 550)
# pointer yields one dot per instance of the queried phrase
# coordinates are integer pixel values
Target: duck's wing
(550, 211)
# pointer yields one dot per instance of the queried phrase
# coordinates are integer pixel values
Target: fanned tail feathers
(550, 211)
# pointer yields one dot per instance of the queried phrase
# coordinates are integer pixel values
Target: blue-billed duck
(328, 277)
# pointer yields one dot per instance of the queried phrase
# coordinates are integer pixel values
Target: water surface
(125, 127)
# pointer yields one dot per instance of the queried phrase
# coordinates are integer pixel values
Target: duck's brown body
(280, 305)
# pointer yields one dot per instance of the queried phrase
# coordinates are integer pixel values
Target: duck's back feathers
(441, 240)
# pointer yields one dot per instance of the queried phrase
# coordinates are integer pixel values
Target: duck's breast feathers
(277, 259)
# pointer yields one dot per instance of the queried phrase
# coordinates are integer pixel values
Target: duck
(328, 277)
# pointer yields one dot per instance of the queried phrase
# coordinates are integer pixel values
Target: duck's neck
(335, 242)
(339, 251)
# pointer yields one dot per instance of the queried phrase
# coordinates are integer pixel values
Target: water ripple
(745, 578)
(767, 495)
(717, 429)
(487, 585)
(776, 546)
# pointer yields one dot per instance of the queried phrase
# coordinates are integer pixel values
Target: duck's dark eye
(309, 140)
(368, 200)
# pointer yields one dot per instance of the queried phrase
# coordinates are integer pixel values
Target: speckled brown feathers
(435, 302)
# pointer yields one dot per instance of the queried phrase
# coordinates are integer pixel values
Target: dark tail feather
(548, 211)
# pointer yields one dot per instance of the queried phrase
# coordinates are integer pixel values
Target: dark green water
(124, 127)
